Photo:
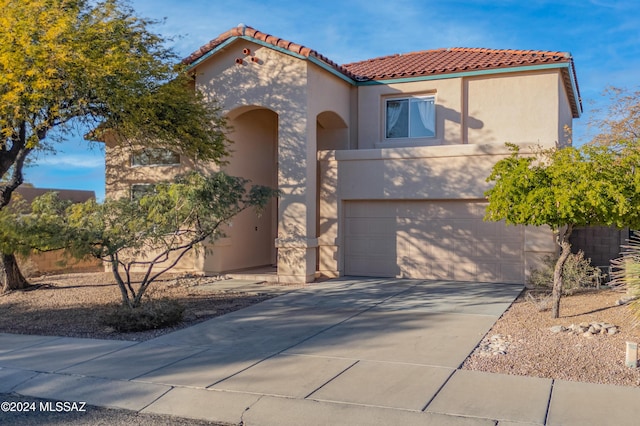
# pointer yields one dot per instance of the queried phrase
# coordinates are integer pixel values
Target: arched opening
(332, 133)
(253, 155)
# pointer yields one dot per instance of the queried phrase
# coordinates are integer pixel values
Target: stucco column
(328, 232)
(296, 242)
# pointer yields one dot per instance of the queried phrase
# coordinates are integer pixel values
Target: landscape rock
(588, 330)
(494, 345)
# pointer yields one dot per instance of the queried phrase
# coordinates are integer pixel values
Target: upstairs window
(155, 157)
(413, 117)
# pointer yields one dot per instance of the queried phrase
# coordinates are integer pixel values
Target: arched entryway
(332, 133)
(254, 156)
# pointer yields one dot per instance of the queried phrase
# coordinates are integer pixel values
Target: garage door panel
(410, 246)
(371, 247)
(373, 266)
(488, 272)
(432, 240)
(371, 226)
(371, 210)
(440, 271)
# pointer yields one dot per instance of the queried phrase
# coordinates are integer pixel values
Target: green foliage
(150, 315)
(76, 64)
(577, 272)
(563, 188)
(65, 62)
(150, 234)
(591, 185)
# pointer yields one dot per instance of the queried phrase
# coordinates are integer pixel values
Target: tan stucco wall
(371, 101)
(565, 116)
(278, 82)
(253, 155)
(520, 107)
(56, 262)
(422, 173)
(120, 175)
(509, 107)
(437, 172)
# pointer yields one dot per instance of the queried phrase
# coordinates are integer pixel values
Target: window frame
(154, 157)
(409, 98)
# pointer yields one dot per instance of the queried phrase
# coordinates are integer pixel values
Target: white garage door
(431, 240)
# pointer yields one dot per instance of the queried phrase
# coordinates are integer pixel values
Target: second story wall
(516, 107)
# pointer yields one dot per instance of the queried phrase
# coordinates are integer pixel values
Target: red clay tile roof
(416, 64)
(242, 30)
(453, 60)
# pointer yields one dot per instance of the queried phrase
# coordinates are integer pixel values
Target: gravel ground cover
(71, 305)
(531, 348)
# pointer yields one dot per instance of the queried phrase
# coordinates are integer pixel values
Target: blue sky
(603, 37)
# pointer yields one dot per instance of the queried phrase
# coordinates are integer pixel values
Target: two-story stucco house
(381, 164)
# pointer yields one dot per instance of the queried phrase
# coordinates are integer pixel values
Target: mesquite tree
(150, 234)
(78, 64)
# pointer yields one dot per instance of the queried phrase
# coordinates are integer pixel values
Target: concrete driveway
(348, 351)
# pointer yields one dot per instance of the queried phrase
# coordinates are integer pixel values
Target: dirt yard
(72, 304)
(522, 344)
(532, 349)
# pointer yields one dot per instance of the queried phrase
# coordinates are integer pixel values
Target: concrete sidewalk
(343, 352)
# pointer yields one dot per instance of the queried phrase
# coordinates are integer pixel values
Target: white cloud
(90, 160)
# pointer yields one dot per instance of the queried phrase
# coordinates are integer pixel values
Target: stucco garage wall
(450, 182)
(432, 240)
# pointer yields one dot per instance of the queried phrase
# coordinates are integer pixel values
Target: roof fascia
(210, 53)
(332, 70)
(463, 74)
(574, 88)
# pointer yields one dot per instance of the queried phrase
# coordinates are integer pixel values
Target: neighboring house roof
(426, 64)
(73, 195)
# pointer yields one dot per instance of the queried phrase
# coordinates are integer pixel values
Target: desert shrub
(578, 273)
(626, 272)
(149, 315)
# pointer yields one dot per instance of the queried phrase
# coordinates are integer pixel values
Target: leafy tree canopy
(82, 64)
(592, 185)
(76, 62)
(564, 188)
